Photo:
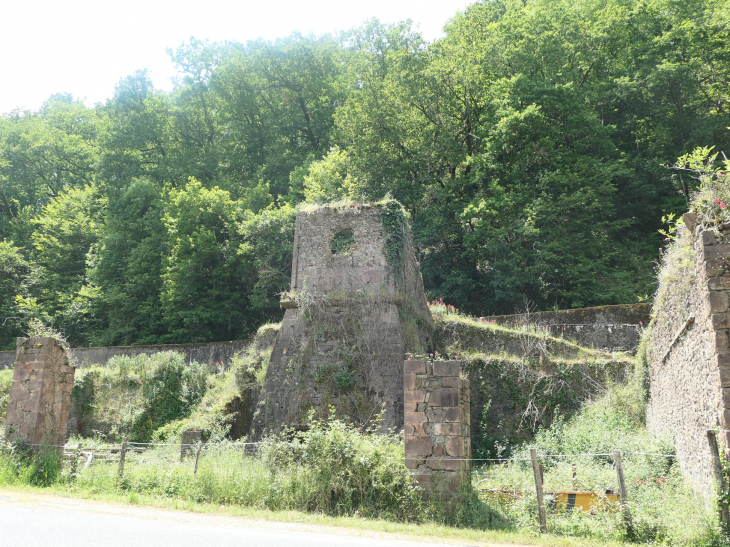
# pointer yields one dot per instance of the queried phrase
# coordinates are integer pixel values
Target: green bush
(663, 509)
(134, 396)
(332, 468)
(20, 464)
(6, 383)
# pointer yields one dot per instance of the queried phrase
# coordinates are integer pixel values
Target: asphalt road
(29, 520)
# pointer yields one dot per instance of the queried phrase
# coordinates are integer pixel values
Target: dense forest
(531, 147)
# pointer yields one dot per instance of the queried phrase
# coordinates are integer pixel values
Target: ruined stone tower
(356, 306)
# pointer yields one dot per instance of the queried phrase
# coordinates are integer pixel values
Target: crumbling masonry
(40, 398)
(356, 306)
(437, 431)
(689, 353)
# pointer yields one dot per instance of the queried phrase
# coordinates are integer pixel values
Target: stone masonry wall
(344, 337)
(40, 399)
(437, 432)
(208, 353)
(612, 328)
(689, 354)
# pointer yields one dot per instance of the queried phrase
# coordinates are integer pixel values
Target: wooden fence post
(538, 490)
(717, 471)
(197, 457)
(624, 496)
(122, 455)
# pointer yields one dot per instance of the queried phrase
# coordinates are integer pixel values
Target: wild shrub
(6, 383)
(134, 396)
(20, 463)
(348, 471)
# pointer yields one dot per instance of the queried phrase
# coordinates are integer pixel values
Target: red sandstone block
(410, 407)
(412, 463)
(446, 464)
(708, 238)
(714, 267)
(409, 381)
(453, 414)
(415, 396)
(452, 381)
(715, 251)
(444, 397)
(455, 447)
(719, 283)
(414, 366)
(18, 394)
(718, 301)
(415, 417)
(446, 368)
(451, 428)
(720, 321)
(418, 446)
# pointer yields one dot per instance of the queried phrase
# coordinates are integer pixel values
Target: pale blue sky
(84, 47)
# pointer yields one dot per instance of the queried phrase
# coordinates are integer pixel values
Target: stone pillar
(437, 432)
(40, 399)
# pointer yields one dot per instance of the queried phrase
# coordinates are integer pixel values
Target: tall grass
(663, 509)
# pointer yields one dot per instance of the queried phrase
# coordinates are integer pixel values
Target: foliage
(663, 508)
(528, 146)
(6, 384)
(134, 396)
(214, 413)
(394, 232)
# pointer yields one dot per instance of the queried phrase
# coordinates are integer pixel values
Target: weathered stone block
(415, 417)
(714, 267)
(414, 367)
(418, 446)
(722, 340)
(718, 301)
(720, 321)
(715, 251)
(708, 237)
(452, 381)
(446, 368)
(415, 396)
(719, 283)
(449, 428)
(444, 397)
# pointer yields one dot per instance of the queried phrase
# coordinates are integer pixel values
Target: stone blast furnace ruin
(355, 308)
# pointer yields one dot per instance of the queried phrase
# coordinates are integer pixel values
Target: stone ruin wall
(609, 328)
(209, 353)
(345, 311)
(689, 356)
(437, 431)
(40, 398)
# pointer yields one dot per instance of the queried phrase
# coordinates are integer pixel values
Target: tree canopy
(529, 146)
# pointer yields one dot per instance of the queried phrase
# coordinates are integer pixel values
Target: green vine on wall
(394, 231)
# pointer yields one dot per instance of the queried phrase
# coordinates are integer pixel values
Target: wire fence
(604, 480)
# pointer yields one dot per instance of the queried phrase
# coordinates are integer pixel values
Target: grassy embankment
(336, 475)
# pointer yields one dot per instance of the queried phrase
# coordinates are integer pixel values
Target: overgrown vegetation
(663, 509)
(527, 145)
(134, 396)
(6, 383)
